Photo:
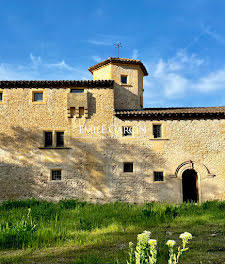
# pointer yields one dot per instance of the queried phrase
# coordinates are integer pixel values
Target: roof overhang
(57, 84)
(120, 61)
(173, 113)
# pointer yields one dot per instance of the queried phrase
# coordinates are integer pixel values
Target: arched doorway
(190, 186)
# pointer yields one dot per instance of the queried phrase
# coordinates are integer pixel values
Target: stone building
(93, 140)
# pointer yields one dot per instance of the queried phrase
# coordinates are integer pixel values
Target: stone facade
(95, 150)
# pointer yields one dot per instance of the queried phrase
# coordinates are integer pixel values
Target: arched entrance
(190, 185)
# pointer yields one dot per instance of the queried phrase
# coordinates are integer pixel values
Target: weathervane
(118, 45)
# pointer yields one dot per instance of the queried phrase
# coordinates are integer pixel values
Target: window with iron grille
(76, 90)
(0, 96)
(38, 96)
(56, 175)
(48, 139)
(124, 79)
(158, 176)
(59, 139)
(157, 131)
(127, 131)
(128, 167)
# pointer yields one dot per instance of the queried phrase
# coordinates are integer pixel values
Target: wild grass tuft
(38, 224)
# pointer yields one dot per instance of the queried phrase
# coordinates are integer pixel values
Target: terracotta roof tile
(57, 84)
(119, 60)
(173, 112)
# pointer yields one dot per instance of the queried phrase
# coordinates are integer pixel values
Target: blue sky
(182, 44)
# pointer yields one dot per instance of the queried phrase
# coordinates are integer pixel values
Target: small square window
(124, 79)
(127, 131)
(56, 175)
(38, 96)
(158, 176)
(128, 167)
(157, 131)
(76, 90)
(48, 139)
(59, 139)
(1, 96)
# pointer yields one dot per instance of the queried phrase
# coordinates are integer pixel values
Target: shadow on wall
(91, 105)
(92, 170)
(125, 99)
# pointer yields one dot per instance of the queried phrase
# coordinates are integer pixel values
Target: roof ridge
(171, 108)
(119, 60)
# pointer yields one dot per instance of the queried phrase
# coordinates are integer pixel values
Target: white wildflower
(152, 242)
(186, 236)
(171, 243)
(144, 237)
(131, 244)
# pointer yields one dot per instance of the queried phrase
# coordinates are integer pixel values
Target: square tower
(128, 80)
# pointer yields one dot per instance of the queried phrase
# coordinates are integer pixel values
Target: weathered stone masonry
(92, 158)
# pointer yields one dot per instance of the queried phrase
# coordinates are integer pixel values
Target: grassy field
(75, 232)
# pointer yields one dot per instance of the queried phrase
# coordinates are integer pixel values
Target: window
(76, 90)
(158, 176)
(37, 96)
(48, 139)
(53, 139)
(127, 131)
(124, 79)
(56, 175)
(1, 96)
(128, 167)
(59, 139)
(157, 131)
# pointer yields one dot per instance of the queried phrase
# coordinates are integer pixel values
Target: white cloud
(35, 60)
(96, 58)
(219, 38)
(100, 42)
(211, 82)
(104, 39)
(179, 76)
(135, 54)
(38, 69)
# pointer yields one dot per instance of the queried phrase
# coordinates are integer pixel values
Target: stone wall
(199, 141)
(92, 159)
(25, 164)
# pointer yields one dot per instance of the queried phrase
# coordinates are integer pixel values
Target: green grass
(78, 232)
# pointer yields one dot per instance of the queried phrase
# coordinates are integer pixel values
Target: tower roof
(119, 60)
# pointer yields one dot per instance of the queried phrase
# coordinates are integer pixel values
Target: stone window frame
(164, 176)
(59, 131)
(48, 131)
(33, 91)
(124, 75)
(134, 167)
(162, 130)
(81, 90)
(56, 169)
(54, 139)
